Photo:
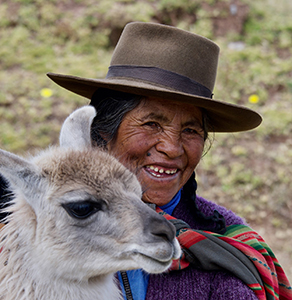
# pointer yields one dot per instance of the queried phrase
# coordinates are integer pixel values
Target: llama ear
(21, 174)
(75, 132)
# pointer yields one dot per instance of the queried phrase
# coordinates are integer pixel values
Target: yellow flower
(46, 93)
(253, 98)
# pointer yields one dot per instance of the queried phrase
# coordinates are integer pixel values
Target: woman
(154, 113)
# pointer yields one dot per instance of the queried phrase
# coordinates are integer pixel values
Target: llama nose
(160, 227)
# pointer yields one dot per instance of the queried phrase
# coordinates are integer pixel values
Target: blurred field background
(249, 173)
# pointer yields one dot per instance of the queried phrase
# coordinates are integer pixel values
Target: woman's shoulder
(207, 207)
(226, 286)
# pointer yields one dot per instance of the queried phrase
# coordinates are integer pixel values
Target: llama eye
(82, 209)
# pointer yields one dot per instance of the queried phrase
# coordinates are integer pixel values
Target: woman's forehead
(164, 110)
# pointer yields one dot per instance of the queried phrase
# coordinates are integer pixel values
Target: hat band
(162, 77)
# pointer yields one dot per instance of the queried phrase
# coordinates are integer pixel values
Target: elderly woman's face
(162, 143)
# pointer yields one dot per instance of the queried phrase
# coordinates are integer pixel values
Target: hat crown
(153, 60)
(168, 48)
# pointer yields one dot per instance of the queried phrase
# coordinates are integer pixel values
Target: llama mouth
(162, 255)
(163, 262)
(150, 264)
(158, 171)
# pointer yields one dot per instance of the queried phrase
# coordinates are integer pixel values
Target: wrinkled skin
(162, 143)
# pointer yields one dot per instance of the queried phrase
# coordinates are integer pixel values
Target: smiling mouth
(160, 171)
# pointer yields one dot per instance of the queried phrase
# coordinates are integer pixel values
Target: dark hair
(6, 198)
(111, 107)
(216, 222)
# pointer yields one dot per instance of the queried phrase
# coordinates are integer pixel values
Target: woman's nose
(170, 145)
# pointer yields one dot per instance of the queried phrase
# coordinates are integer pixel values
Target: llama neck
(96, 289)
(21, 282)
(23, 276)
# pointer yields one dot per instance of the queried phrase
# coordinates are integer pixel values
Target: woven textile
(240, 251)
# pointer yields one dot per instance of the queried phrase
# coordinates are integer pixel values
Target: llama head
(79, 210)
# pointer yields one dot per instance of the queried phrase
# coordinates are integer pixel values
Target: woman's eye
(82, 209)
(190, 130)
(151, 124)
(194, 131)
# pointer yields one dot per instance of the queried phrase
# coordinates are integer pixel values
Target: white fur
(48, 254)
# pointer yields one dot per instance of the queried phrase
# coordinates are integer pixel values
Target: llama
(77, 218)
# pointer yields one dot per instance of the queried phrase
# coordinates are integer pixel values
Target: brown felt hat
(170, 63)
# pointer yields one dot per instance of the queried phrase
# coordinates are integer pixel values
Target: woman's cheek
(132, 152)
(195, 153)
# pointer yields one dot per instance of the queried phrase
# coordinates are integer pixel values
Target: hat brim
(224, 117)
